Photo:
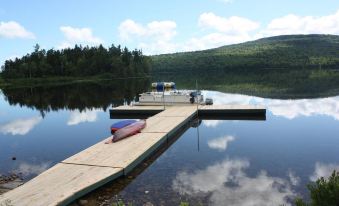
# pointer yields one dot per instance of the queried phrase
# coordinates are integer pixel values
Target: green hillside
(283, 52)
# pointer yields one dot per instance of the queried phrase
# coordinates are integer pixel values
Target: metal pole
(196, 87)
(163, 94)
(198, 136)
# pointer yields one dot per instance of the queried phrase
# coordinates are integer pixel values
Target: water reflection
(227, 182)
(289, 109)
(20, 126)
(220, 143)
(323, 170)
(78, 96)
(29, 169)
(294, 179)
(102, 95)
(77, 117)
(212, 123)
(289, 151)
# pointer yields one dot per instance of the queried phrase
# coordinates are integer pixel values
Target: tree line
(78, 61)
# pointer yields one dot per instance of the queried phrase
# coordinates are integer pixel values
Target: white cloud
(224, 31)
(233, 25)
(294, 24)
(220, 143)
(13, 57)
(20, 126)
(64, 45)
(323, 170)
(130, 28)
(78, 36)
(164, 30)
(158, 47)
(10, 57)
(227, 182)
(78, 117)
(158, 36)
(12, 29)
(234, 29)
(154, 37)
(214, 40)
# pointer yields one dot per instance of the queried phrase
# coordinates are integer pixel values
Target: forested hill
(288, 51)
(78, 62)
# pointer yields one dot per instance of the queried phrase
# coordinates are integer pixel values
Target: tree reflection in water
(80, 96)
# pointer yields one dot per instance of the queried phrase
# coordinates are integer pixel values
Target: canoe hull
(121, 124)
(129, 130)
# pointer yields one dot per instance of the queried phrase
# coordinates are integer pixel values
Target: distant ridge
(283, 52)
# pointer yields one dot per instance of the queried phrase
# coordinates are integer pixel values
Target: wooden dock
(101, 163)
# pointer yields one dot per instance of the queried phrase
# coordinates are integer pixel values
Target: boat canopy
(160, 86)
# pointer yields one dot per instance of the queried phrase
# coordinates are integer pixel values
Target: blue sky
(157, 26)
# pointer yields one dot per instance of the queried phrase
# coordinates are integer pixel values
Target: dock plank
(120, 154)
(178, 111)
(60, 185)
(162, 124)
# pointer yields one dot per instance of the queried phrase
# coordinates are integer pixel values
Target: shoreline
(55, 81)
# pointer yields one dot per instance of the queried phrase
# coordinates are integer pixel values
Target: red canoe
(129, 130)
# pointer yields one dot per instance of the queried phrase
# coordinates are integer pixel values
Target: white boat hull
(169, 98)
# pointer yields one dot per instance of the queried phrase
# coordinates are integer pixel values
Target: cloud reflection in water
(287, 108)
(323, 170)
(226, 183)
(295, 180)
(212, 123)
(20, 126)
(78, 117)
(220, 143)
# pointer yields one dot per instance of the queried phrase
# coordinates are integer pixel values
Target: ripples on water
(234, 161)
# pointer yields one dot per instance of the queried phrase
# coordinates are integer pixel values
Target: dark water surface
(238, 162)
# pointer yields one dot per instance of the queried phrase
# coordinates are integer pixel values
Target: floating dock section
(249, 112)
(101, 163)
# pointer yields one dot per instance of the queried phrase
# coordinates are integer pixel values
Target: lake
(265, 162)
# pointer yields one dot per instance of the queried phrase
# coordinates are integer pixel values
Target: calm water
(234, 161)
